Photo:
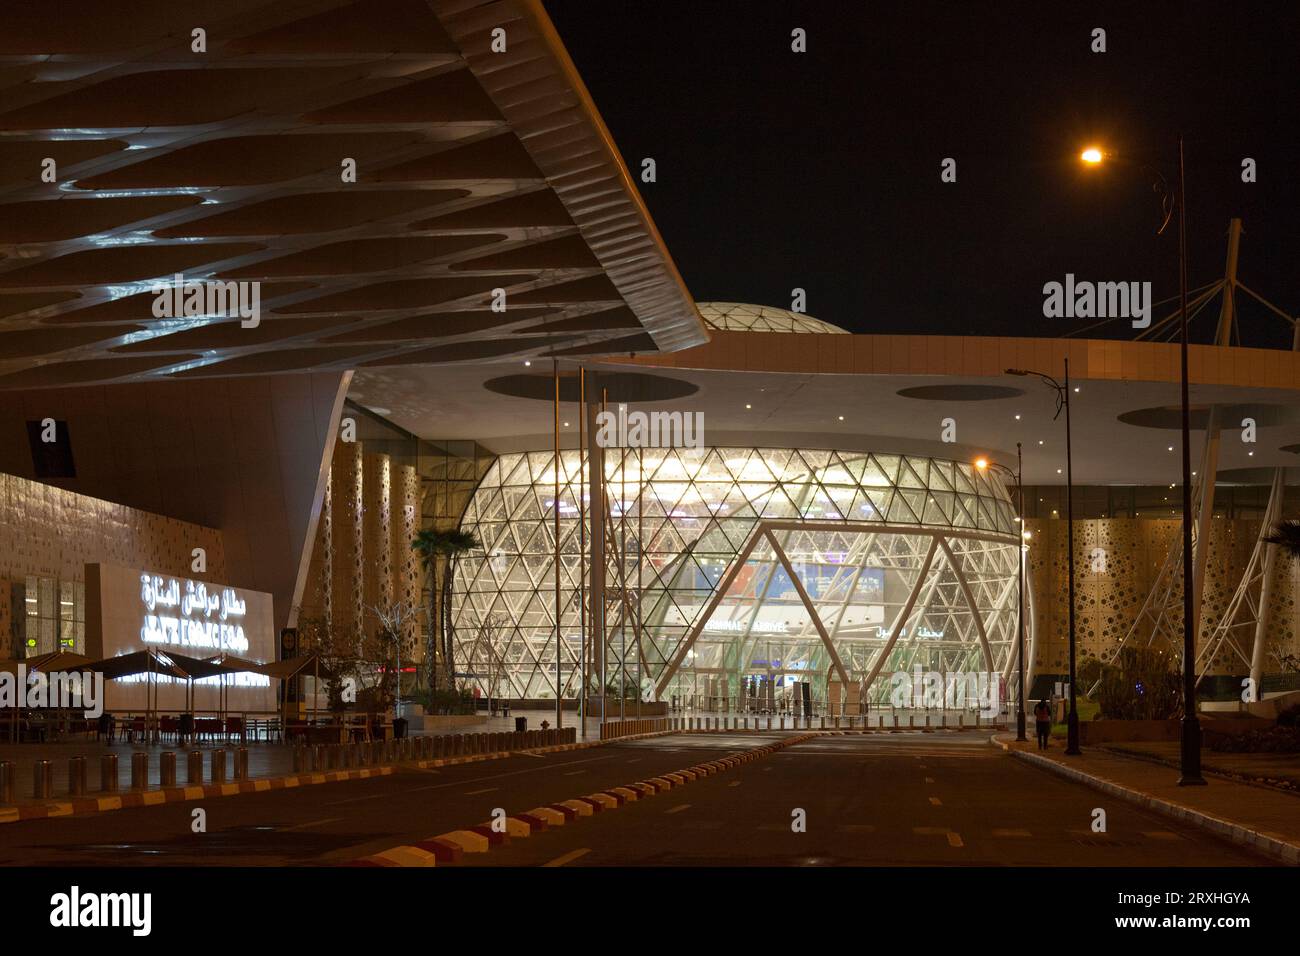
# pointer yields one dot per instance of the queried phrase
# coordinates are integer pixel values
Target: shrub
(1278, 739)
(1139, 685)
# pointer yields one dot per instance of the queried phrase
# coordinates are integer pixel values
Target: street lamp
(1063, 402)
(1190, 762)
(982, 464)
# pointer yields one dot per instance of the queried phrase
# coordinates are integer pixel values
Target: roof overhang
(475, 170)
(776, 389)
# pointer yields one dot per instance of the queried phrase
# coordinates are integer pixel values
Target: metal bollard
(6, 782)
(43, 779)
(218, 766)
(241, 763)
(139, 770)
(77, 776)
(167, 768)
(108, 773)
(194, 768)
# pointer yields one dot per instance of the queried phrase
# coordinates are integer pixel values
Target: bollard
(194, 768)
(107, 773)
(139, 770)
(218, 765)
(769, 723)
(6, 782)
(167, 769)
(43, 779)
(241, 763)
(298, 753)
(77, 776)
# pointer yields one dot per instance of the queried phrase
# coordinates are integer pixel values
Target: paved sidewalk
(1266, 819)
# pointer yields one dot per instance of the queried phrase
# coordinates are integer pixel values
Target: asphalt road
(893, 800)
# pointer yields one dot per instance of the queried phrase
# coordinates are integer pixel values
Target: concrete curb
(1275, 847)
(425, 853)
(130, 799)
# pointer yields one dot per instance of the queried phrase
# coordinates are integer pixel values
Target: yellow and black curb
(130, 799)
(450, 847)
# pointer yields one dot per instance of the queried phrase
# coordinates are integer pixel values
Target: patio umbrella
(149, 661)
(234, 665)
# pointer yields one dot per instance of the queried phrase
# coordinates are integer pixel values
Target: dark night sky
(821, 169)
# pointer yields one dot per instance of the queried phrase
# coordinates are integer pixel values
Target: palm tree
(442, 548)
(1286, 534)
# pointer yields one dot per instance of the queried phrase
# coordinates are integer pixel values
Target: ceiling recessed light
(749, 406)
(527, 363)
(841, 418)
(1017, 418)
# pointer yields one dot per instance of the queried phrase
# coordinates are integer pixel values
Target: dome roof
(741, 317)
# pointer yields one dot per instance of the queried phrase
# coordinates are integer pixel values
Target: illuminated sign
(742, 627)
(133, 609)
(189, 616)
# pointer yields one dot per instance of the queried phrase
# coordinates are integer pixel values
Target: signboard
(133, 609)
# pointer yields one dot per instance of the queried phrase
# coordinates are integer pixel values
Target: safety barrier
(313, 759)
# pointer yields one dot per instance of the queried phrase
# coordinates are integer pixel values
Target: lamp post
(1063, 402)
(1020, 578)
(1190, 755)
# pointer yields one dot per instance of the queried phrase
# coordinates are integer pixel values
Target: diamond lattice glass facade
(728, 567)
(743, 317)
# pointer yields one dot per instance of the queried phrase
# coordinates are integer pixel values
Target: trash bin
(399, 728)
(521, 724)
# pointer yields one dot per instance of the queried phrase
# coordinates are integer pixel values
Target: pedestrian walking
(1043, 722)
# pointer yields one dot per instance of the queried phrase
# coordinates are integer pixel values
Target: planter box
(1117, 731)
(440, 722)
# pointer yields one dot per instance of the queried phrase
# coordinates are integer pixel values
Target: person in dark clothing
(1043, 722)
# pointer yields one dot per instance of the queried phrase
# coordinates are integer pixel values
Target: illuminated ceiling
(475, 170)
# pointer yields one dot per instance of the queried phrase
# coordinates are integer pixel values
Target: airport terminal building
(447, 278)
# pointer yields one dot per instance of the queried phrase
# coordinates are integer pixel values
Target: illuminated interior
(733, 573)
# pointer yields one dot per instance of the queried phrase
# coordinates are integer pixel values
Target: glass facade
(729, 567)
(55, 616)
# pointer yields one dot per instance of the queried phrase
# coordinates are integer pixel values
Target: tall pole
(1072, 720)
(582, 552)
(555, 507)
(1191, 728)
(1020, 604)
(640, 560)
(598, 562)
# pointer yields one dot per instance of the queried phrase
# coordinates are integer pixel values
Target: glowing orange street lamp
(1092, 155)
